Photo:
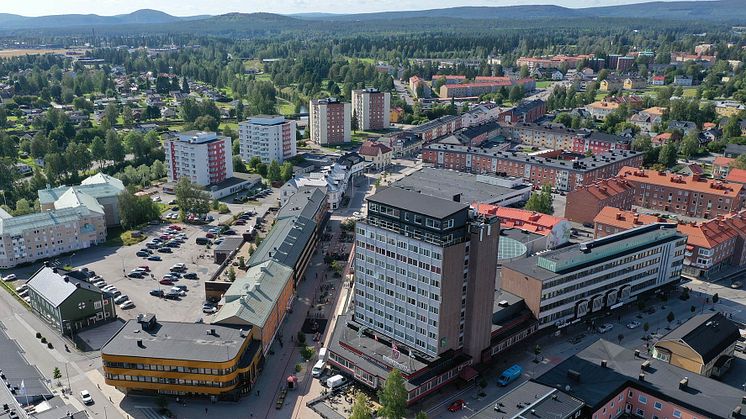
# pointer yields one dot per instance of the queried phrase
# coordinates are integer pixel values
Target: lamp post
(69, 387)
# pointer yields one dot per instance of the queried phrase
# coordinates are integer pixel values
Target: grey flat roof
(178, 341)
(531, 399)
(420, 203)
(444, 183)
(306, 202)
(285, 242)
(598, 384)
(229, 244)
(598, 250)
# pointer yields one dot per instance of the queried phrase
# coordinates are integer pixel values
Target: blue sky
(214, 7)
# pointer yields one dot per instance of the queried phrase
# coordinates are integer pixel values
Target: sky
(216, 7)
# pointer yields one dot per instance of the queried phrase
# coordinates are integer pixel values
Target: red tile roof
(607, 188)
(688, 183)
(722, 161)
(737, 176)
(534, 222)
(707, 234)
(372, 148)
(662, 138)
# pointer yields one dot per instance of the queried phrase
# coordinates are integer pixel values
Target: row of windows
(168, 368)
(601, 268)
(174, 381)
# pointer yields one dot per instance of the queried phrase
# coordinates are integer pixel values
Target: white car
(85, 396)
(209, 308)
(605, 327)
(100, 284)
(21, 288)
(108, 288)
(178, 291)
(633, 324)
(127, 305)
(10, 277)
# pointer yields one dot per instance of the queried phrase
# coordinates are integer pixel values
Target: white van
(322, 354)
(318, 368)
(336, 381)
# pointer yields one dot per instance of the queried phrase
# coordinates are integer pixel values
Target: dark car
(166, 282)
(202, 240)
(156, 293)
(174, 208)
(142, 254)
(191, 275)
(155, 258)
(165, 250)
(456, 405)
(171, 296)
(135, 275)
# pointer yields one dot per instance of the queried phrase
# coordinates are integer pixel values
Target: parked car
(156, 293)
(456, 405)
(135, 274)
(191, 275)
(736, 285)
(145, 268)
(202, 241)
(127, 305)
(177, 290)
(180, 266)
(155, 258)
(172, 296)
(85, 396)
(166, 282)
(633, 324)
(209, 308)
(509, 375)
(21, 287)
(605, 327)
(165, 250)
(120, 299)
(181, 287)
(100, 284)
(11, 277)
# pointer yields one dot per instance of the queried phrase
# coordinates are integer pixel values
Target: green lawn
(284, 107)
(263, 77)
(543, 84)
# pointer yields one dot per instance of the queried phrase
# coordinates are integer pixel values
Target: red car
(456, 405)
(145, 267)
(166, 282)
(209, 235)
(174, 227)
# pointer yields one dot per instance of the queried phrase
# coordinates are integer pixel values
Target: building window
(676, 413)
(642, 399)
(658, 405)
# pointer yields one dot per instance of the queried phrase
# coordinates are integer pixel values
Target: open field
(7, 53)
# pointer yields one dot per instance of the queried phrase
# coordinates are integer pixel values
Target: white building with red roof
(378, 154)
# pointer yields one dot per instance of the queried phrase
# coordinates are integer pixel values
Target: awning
(468, 373)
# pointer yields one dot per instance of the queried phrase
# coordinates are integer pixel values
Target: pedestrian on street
(205, 410)
(257, 393)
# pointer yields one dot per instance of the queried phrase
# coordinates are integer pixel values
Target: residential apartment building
(721, 167)
(203, 157)
(585, 202)
(613, 381)
(704, 345)
(552, 61)
(371, 108)
(79, 223)
(440, 257)
(437, 128)
(269, 137)
(563, 173)
(142, 358)
(691, 196)
(570, 284)
(555, 137)
(334, 179)
(101, 187)
(556, 230)
(67, 301)
(418, 87)
(526, 112)
(711, 245)
(330, 121)
(596, 142)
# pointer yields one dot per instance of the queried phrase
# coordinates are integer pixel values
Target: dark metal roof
(596, 384)
(417, 202)
(707, 334)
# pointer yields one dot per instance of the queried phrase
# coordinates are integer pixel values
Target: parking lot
(115, 267)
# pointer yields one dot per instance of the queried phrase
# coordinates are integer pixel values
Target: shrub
(43, 340)
(298, 367)
(50, 346)
(301, 338)
(38, 335)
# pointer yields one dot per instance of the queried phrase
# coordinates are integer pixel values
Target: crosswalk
(150, 413)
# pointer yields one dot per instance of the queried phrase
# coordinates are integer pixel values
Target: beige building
(378, 154)
(47, 234)
(703, 345)
(103, 188)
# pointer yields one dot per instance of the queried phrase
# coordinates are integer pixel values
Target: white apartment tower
(269, 137)
(204, 157)
(371, 108)
(330, 121)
